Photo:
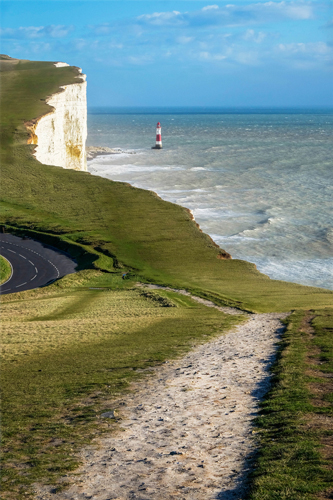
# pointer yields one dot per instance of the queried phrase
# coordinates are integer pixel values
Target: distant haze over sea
(259, 181)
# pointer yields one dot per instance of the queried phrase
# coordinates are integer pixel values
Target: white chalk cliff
(60, 136)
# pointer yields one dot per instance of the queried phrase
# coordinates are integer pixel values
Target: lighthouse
(158, 144)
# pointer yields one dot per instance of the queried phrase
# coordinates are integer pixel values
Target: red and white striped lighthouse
(158, 144)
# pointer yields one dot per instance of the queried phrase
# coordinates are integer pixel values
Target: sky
(239, 53)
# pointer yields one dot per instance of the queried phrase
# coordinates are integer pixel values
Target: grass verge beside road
(295, 461)
(5, 270)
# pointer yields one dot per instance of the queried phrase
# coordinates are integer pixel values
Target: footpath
(187, 429)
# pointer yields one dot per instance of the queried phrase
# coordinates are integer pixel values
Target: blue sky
(182, 53)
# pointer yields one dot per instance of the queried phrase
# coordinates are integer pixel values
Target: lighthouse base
(156, 147)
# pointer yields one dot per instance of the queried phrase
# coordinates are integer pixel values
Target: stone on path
(187, 428)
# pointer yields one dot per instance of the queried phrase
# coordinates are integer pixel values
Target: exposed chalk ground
(187, 429)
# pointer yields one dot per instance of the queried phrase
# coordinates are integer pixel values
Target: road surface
(33, 263)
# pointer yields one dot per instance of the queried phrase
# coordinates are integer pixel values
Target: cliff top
(142, 232)
(25, 85)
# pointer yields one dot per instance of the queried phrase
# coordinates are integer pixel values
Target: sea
(258, 181)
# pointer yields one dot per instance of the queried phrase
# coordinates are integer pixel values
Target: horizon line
(206, 109)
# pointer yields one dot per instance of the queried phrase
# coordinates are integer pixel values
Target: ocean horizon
(257, 180)
(145, 110)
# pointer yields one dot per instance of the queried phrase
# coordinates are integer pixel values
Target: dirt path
(187, 429)
(208, 303)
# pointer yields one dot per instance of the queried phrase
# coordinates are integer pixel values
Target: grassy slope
(155, 238)
(67, 351)
(295, 461)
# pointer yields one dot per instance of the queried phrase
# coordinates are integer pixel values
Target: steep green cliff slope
(155, 238)
(68, 349)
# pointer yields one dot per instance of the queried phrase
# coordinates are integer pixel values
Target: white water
(260, 185)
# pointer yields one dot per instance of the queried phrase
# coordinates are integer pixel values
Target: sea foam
(260, 185)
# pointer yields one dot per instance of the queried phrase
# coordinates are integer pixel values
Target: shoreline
(93, 152)
(105, 151)
(277, 270)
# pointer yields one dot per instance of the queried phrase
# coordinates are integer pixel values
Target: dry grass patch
(68, 352)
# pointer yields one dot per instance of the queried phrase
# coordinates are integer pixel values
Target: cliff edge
(60, 135)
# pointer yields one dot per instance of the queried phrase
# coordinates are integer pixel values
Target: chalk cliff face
(60, 136)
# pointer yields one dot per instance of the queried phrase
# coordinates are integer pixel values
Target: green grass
(5, 269)
(295, 421)
(113, 224)
(323, 325)
(68, 351)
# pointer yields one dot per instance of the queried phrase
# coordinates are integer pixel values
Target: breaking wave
(259, 185)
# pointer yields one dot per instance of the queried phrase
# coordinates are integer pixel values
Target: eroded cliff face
(60, 136)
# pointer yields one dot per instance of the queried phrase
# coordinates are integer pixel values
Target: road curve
(33, 263)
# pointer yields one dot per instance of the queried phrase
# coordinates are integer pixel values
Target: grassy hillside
(133, 227)
(70, 348)
(67, 351)
(295, 460)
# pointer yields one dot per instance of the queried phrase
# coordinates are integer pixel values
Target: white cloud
(58, 31)
(38, 47)
(225, 35)
(210, 7)
(230, 55)
(32, 32)
(305, 55)
(247, 58)
(304, 48)
(295, 10)
(274, 11)
(101, 29)
(233, 15)
(140, 60)
(252, 36)
(162, 18)
(208, 56)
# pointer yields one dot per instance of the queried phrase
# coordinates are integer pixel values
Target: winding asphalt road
(33, 263)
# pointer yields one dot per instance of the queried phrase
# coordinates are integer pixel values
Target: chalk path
(186, 429)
